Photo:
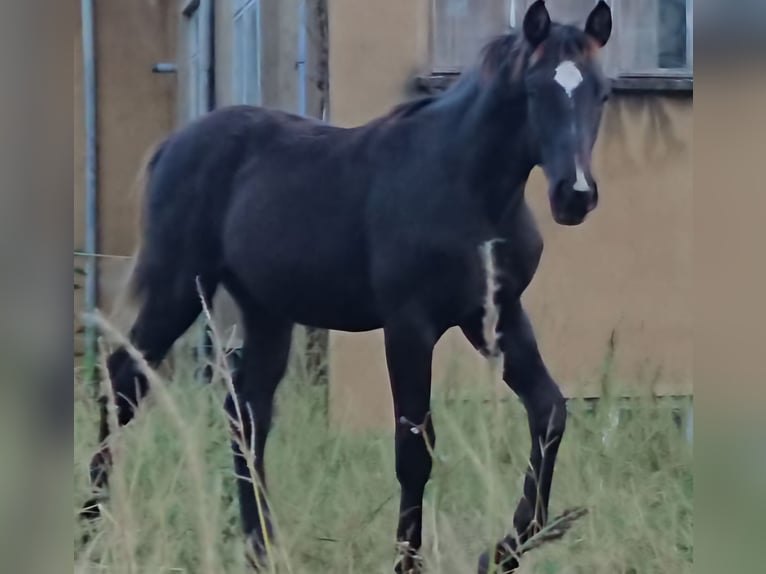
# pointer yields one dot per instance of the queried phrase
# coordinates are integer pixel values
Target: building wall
(135, 110)
(621, 281)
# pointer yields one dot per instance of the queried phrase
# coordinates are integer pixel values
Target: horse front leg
(409, 350)
(525, 373)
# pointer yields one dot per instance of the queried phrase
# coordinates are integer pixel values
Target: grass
(334, 494)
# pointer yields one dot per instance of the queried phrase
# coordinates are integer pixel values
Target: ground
(335, 494)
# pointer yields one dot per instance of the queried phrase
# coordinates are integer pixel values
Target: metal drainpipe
(91, 172)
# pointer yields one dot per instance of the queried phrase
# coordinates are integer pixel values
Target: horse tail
(187, 183)
(128, 294)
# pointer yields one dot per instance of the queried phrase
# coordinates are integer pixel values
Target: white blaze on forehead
(568, 76)
(581, 184)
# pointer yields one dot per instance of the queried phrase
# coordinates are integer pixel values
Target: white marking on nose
(568, 76)
(491, 309)
(581, 184)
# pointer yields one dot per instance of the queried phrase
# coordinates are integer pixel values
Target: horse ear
(537, 23)
(599, 23)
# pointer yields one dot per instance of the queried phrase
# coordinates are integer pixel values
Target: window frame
(658, 79)
(667, 80)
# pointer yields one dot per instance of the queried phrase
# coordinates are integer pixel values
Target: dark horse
(414, 223)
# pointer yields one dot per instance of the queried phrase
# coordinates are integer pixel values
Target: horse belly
(309, 288)
(334, 301)
(300, 251)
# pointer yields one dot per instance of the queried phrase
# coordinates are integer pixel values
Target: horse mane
(508, 50)
(409, 108)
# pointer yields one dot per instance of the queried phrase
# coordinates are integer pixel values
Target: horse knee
(550, 421)
(248, 414)
(413, 455)
(238, 413)
(557, 417)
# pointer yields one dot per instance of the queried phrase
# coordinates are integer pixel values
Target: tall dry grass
(334, 495)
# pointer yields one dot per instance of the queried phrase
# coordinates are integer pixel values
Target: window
(246, 70)
(197, 63)
(461, 27)
(651, 38)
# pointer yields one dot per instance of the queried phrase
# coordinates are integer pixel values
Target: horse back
(295, 234)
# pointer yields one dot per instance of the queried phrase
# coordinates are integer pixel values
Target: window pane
(246, 60)
(652, 36)
(461, 27)
(672, 37)
(238, 60)
(194, 65)
(252, 60)
(573, 12)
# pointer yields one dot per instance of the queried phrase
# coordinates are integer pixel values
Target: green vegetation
(335, 495)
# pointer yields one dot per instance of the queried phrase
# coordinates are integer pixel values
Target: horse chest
(457, 277)
(447, 257)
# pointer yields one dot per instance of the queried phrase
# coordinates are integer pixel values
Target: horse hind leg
(165, 314)
(264, 361)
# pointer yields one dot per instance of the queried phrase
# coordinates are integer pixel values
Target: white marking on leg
(491, 309)
(568, 76)
(581, 184)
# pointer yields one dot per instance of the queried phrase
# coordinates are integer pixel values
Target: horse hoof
(256, 554)
(409, 561)
(408, 568)
(256, 562)
(504, 564)
(91, 510)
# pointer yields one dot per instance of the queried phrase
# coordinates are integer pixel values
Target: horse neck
(491, 146)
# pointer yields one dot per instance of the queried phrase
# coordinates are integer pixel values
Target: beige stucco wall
(135, 110)
(623, 276)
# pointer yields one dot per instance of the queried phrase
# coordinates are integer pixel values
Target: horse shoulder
(519, 249)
